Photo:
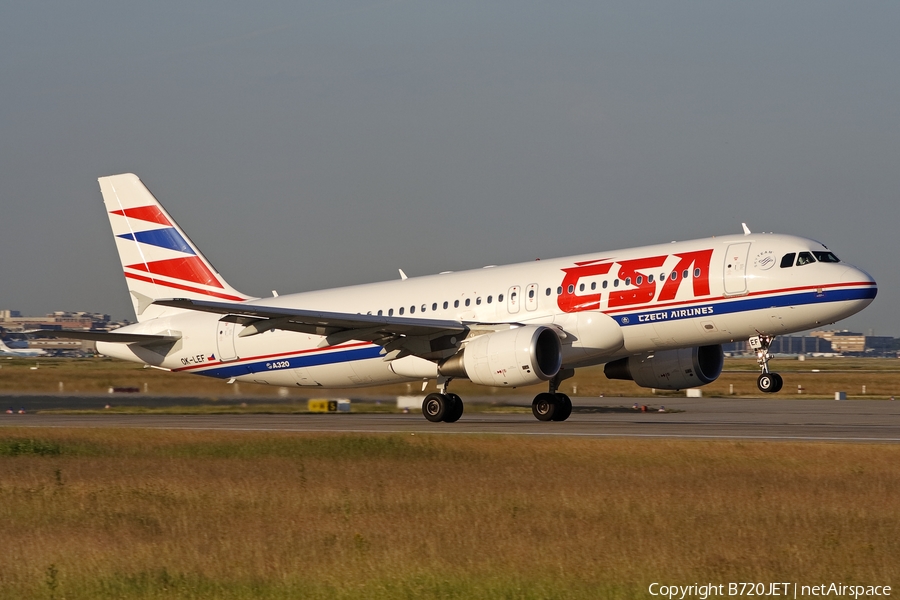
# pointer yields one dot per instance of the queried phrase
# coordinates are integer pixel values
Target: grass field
(881, 378)
(174, 514)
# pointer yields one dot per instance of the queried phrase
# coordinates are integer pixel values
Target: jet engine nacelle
(670, 369)
(520, 356)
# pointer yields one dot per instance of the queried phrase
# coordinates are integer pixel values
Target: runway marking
(793, 438)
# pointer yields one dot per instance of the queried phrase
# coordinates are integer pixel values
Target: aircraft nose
(856, 275)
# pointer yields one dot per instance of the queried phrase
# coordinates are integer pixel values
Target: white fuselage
(605, 305)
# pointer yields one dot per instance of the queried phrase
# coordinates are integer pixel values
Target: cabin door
(736, 269)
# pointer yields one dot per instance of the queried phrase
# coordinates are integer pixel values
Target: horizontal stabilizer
(144, 339)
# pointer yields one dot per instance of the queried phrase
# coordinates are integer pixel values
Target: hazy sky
(316, 144)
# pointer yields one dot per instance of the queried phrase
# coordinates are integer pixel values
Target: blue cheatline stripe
(227, 371)
(164, 238)
(744, 305)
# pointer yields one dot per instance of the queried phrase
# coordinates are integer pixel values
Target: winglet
(746, 229)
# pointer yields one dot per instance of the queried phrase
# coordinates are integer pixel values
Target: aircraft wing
(106, 336)
(400, 336)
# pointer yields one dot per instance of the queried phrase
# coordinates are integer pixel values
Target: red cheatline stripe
(186, 288)
(188, 268)
(144, 213)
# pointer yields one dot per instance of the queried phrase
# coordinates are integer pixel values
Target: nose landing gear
(767, 382)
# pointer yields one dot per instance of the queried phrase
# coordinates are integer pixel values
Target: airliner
(657, 315)
(20, 352)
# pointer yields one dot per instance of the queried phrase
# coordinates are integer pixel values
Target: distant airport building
(849, 342)
(845, 343)
(12, 322)
(785, 344)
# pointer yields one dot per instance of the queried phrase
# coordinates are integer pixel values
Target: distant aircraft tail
(158, 259)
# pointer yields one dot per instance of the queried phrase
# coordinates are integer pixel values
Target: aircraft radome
(656, 315)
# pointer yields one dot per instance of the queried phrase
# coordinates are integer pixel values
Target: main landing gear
(553, 405)
(547, 406)
(442, 406)
(767, 382)
(439, 407)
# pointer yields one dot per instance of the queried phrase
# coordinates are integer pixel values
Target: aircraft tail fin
(158, 258)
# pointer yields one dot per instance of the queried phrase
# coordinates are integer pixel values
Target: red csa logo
(643, 289)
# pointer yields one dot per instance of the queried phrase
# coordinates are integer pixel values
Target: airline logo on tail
(181, 261)
(156, 255)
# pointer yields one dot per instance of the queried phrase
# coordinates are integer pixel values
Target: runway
(728, 419)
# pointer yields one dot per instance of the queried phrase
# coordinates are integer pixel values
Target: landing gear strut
(442, 406)
(553, 405)
(766, 382)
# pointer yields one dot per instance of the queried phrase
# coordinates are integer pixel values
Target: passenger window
(559, 291)
(685, 274)
(615, 283)
(379, 313)
(639, 280)
(490, 299)
(581, 288)
(605, 284)
(805, 258)
(401, 310)
(593, 285)
(500, 298)
(434, 306)
(456, 304)
(696, 272)
(674, 275)
(424, 307)
(445, 305)
(826, 257)
(468, 301)
(649, 278)
(412, 309)
(571, 289)
(531, 293)
(628, 281)
(548, 291)
(478, 301)
(788, 260)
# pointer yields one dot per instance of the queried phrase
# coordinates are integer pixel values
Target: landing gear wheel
(435, 406)
(563, 407)
(769, 383)
(455, 410)
(544, 406)
(779, 382)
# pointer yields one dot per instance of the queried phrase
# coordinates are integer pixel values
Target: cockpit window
(805, 258)
(788, 260)
(826, 257)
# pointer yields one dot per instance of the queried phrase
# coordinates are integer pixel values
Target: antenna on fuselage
(746, 229)
(403, 275)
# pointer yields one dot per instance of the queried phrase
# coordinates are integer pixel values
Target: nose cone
(862, 283)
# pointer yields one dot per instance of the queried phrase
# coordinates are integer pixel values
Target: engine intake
(516, 357)
(670, 369)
